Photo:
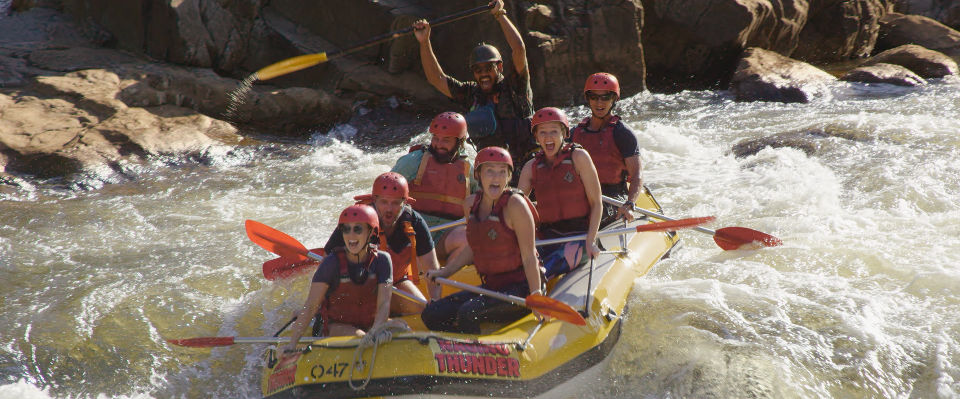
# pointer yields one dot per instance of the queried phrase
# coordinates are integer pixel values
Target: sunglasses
(357, 229)
(602, 97)
(480, 68)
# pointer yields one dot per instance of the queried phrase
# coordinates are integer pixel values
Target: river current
(860, 301)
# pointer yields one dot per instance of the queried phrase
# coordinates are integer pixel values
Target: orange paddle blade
(558, 310)
(281, 268)
(202, 342)
(275, 241)
(731, 238)
(675, 224)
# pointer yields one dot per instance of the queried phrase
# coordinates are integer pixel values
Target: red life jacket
(440, 188)
(349, 302)
(496, 252)
(559, 190)
(404, 262)
(611, 167)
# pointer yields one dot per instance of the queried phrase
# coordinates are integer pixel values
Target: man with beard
(404, 235)
(499, 103)
(439, 177)
(612, 146)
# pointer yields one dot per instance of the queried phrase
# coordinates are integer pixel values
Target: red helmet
(549, 114)
(449, 124)
(391, 185)
(602, 81)
(360, 214)
(492, 155)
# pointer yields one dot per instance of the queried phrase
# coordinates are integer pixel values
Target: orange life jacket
(558, 187)
(611, 167)
(440, 188)
(349, 302)
(404, 262)
(496, 252)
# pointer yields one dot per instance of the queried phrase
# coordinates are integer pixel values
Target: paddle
(209, 342)
(728, 238)
(275, 241)
(305, 61)
(672, 225)
(542, 304)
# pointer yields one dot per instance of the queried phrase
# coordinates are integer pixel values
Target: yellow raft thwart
(523, 359)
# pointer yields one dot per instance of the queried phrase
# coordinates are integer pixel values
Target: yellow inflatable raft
(523, 359)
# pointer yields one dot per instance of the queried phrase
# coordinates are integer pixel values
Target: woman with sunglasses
(351, 288)
(612, 146)
(563, 179)
(500, 234)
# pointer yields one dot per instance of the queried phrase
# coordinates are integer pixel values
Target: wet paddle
(276, 241)
(672, 225)
(210, 342)
(542, 304)
(728, 238)
(286, 267)
(305, 61)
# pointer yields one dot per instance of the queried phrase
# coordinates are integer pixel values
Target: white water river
(860, 301)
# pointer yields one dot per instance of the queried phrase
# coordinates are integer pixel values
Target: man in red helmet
(439, 177)
(612, 146)
(499, 103)
(403, 234)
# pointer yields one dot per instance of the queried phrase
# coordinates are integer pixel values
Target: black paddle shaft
(397, 33)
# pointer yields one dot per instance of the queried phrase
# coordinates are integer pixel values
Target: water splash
(239, 97)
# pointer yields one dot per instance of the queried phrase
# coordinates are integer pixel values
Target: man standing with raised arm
(499, 103)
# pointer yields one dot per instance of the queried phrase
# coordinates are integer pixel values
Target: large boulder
(764, 75)
(898, 29)
(840, 30)
(884, 73)
(945, 11)
(695, 44)
(924, 62)
(604, 37)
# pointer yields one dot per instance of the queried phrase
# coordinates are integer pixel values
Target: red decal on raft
(482, 365)
(284, 374)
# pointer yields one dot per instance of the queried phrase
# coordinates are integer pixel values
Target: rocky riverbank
(88, 85)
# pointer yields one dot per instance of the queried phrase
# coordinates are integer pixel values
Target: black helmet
(484, 53)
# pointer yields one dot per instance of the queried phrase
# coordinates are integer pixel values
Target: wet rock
(696, 44)
(899, 29)
(810, 141)
(838, 30)
(924, 62)
(539, 17)
(945, 11)
(592, 37)
(767, 76)
(77, 58)
(884, 73)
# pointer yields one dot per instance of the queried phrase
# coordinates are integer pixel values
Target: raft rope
(377, 336)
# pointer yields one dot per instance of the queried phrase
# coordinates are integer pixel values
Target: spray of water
(239, 97)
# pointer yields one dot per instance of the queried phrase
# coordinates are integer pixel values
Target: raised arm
(431, 67)
(517, 49)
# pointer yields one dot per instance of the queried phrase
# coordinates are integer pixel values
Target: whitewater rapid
(860, 301)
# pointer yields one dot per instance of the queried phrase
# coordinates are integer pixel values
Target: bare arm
(431, 67)
(517, 49)
(635, 184)
(462, 259)
(520, 220)
(384, 292)
(525, 183)
(591, 185)
(426, 263)
(318, 292)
